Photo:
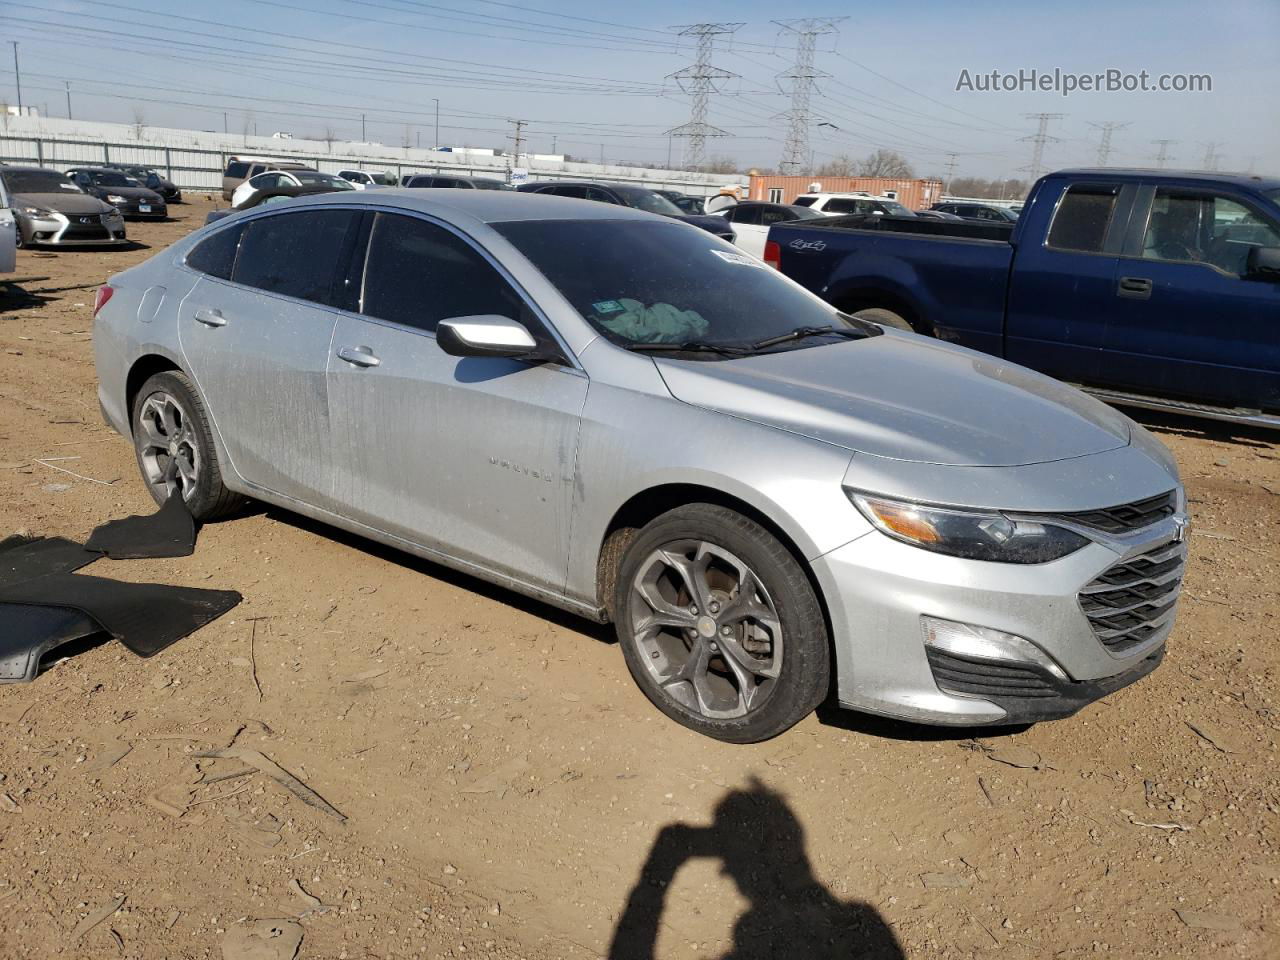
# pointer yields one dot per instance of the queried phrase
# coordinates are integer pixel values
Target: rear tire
(720, 625)
(885, 318)
(173, 444)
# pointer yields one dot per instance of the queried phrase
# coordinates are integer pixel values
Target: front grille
(979, 677)
(1133, 600)
(85, 231)
(1127, 517)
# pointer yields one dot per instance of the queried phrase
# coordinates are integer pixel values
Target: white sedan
(751, 222)
(286, 178)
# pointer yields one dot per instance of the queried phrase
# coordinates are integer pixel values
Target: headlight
(112, 198)
(37, 212)
(974, 535)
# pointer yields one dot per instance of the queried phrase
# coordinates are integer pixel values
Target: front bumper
(878, 590)
(63, 230)
(134, 211)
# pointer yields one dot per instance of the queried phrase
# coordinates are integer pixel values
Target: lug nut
(713, 607)
(693, 608)
(726, 631)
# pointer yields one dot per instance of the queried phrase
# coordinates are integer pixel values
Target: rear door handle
(1136, 288)
(211, 318)
(360, 356)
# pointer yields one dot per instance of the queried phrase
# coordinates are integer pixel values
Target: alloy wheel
(167, 447)
(706, 629)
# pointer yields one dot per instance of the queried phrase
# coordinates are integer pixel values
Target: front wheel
(886, 318)
(720, 626)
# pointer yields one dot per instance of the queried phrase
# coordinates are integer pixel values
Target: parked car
(1153, 288)
(150, 179)
(626, 195)
(624, 417)
(287, 178)
(360, 179)
(123, 192)
(687, 204)
(936, 215)
(269, 196)
(840, 204)
(977, 211)
(49, 209)
(752, 219)
(8, 235)
(240, 169)
(438, 181)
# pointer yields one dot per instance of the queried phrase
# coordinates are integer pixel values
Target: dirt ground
(510, 793)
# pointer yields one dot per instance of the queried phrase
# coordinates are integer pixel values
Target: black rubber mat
(27, 633)
(145, 617)
(169, 532)
(24, 558)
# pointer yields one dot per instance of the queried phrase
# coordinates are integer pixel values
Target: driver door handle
(211, 318)
(360, 356)
(1137, 288)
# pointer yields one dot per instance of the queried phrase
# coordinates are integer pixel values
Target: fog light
(968, 640)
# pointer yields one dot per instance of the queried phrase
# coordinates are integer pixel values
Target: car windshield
(648, 200)
(896, 209)
(109, 178)
(668, 283)
(310, 176)
(804, 213)
(38, 181)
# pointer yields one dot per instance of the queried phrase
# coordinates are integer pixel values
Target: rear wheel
(886, 318)
(174, 447)
(720, 626)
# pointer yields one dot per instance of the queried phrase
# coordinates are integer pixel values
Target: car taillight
(773, 255)
(100, 299)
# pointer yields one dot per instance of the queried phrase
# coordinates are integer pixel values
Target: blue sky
(591, 77)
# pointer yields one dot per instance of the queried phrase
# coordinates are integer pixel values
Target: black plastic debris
(145, 617)
(169, 532)
(27, 633)
(24, 558)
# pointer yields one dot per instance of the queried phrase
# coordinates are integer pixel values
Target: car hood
(905, 398)
(71, 203)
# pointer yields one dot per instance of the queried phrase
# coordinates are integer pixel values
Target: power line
(1104, 143)
(700, 81)
(803, 73)
(1039, 139)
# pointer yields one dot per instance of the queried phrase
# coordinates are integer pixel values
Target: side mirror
(1263, 264)
(484, 336)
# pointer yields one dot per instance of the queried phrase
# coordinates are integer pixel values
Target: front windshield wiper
(801, 333)
(690, 346)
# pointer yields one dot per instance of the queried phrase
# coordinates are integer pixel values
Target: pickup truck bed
(1153, 288)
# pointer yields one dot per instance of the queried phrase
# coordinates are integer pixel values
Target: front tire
(720, 626)
(173, 443)
(886, 318)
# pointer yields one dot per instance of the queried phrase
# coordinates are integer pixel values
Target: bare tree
(1007, 188)
(720, 165)
(139, 122)
(328, 137)
(841, 166)
(885, 163)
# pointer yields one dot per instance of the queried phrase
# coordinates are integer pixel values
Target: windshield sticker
(607, 306)
(740, 259)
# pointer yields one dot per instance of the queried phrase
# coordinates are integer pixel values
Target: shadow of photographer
(760, 844)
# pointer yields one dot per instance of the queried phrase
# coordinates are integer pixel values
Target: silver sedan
(630, 419)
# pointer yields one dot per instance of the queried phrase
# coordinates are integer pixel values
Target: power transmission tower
(795, 150)
(952, 159)
(1163, 158)
(700, 81)
(1211, 155)
(1039, 139)
(1104, 143)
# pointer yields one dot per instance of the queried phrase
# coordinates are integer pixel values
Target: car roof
(1200, 176)
(484, 206)
(11, 168)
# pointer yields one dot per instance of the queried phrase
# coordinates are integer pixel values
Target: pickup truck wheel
(886, 318)
(720, 626)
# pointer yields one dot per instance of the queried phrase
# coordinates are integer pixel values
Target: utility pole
(700, 81)
(224, 122)
(1039, 139)
(602, 154)
(553, 143)
(795, 149)
(437, 103)
(1104, 142)
(518, 137)
(1211, 155)
(17, 75)
(363, 138)
(68, 83)
(1163, 158)
(950, 165)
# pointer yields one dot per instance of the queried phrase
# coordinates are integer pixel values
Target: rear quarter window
(216, 254)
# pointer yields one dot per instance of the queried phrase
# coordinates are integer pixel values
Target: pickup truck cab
(1153, 288)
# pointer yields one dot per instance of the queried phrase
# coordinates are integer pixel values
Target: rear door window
(238, 169)
(295, 254)
(578, 193)
(1080, 223)
(417, 274)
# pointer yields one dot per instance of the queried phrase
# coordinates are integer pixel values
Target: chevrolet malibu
(628, 418)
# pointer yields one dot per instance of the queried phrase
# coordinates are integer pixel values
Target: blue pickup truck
(1150, 288)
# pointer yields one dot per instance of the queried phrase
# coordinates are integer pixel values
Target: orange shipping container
(913, 194)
